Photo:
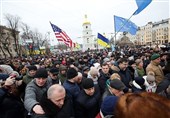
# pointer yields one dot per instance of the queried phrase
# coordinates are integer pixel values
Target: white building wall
(88, 37)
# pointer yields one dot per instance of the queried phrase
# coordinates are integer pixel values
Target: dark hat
(85, 57)
(117, 84)
(155, 56)
(54, 71)
(71, 73)
(32, 68)
(86, 68)
(108, 105)
(41, 73)
(131, 62)
(87, 83)
(139, 80)
(57, 62)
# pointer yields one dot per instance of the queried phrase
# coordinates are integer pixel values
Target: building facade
(7, 45)
(153, 33)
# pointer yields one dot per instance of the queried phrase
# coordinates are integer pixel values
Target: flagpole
(115, 33)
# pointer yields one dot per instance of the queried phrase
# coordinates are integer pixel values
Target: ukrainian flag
(103, 41)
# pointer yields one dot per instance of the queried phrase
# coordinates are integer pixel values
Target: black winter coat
(52, 111)
(11, 106)
(87, 106)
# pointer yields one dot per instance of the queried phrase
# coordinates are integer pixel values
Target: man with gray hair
(56, 103)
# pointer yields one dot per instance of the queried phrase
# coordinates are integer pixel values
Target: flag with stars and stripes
(62, 36)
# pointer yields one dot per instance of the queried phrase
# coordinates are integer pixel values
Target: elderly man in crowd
(56, 103)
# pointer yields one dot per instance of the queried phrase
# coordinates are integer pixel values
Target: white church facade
(87, 36)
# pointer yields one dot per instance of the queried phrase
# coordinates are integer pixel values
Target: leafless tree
(13, 23)
(34, 36)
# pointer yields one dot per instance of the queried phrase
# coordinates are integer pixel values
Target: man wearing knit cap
(156, 68)
(71, 85)
(87, 104)
(108, 107)
(35, 90)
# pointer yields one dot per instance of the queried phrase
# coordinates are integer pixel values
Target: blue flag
(124, 25)
(142, 4)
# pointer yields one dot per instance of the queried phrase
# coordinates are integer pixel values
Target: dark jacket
(52, 111)
(102, 81)
(72, 89)
(136, 88)
(106, 93)
(87, 106)
(162, 86)
(10, 106)
(126, 77)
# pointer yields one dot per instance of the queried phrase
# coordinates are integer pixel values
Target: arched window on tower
(86, 27)
(87, 40)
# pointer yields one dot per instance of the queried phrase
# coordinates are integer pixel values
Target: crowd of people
(93, 84)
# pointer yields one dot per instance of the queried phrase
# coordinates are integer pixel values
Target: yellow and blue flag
(142, 4)
(124, 25)
(103, 41)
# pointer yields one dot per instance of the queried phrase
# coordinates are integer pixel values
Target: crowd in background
(131, 82)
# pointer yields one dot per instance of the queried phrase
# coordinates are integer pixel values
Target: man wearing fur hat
(34, 91)
(156, 68)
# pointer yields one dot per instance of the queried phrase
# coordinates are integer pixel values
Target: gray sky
(69, 14)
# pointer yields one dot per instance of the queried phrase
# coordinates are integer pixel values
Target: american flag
(62, 36)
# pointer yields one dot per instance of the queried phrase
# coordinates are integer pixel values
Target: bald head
(56, 90)
(56, 93)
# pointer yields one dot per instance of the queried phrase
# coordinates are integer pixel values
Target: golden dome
(85, 20)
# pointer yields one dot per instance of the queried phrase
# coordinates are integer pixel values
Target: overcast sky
(69, 14)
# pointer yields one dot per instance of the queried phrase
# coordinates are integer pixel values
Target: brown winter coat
(156, 68)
